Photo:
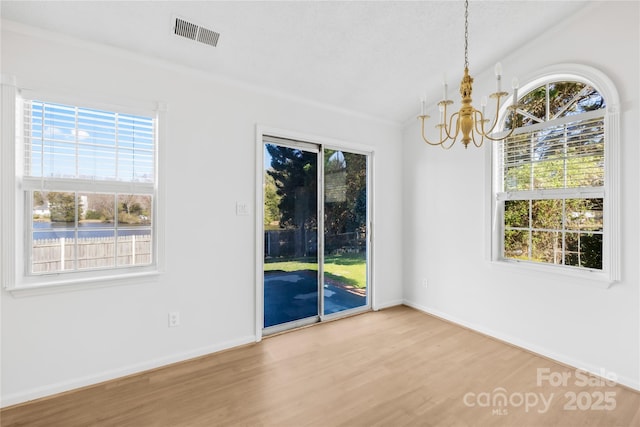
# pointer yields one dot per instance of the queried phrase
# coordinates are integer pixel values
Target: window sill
(67, 284)
(595, 278)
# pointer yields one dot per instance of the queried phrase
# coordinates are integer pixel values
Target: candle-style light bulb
(444, 86)
(515, 84)
(498, 71)
(483, 105)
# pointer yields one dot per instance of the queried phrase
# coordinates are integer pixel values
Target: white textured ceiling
(375, 57)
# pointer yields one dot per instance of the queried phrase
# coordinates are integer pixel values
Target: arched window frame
(611, 234)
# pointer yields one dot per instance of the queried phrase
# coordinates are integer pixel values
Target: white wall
(56, 342)
(445, 220)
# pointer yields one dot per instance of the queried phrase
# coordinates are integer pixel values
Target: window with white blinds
(551, 179)
(89, 185)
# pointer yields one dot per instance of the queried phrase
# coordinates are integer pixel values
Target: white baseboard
(387, 304)
(545, 352)
(51, 389)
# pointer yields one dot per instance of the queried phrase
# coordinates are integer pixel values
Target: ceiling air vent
(195, 32)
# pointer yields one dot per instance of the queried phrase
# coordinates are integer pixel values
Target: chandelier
(468, 121)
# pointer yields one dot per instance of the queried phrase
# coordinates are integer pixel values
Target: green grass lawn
(349, 269)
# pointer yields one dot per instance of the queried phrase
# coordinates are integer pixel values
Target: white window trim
(12, 227)
(611, 237)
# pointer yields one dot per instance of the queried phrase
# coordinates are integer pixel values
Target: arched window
(555, 178)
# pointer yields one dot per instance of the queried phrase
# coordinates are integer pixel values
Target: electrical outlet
(424, 283)
(174, 319)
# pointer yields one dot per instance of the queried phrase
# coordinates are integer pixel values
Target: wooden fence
(50, 255)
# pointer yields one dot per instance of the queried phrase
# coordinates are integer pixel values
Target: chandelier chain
(466, 34)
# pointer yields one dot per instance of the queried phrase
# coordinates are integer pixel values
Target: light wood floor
(396, 367)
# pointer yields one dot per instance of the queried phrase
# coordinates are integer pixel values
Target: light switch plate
(242, 208)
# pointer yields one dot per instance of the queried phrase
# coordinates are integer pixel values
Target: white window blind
(564, 154)
(68, 142)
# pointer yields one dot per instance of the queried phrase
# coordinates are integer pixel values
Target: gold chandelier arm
(424, 137)
(502, 137)
(444, 137)
(453, 137)
(445, 147)
(473, 135)
(443, 104)
(513, 109)
(496, 95)
(479, 121)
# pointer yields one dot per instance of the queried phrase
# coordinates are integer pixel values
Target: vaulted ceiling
(373, 57)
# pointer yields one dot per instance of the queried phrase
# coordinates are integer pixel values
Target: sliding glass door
(291, 277)
(345, 231)
(315, 233)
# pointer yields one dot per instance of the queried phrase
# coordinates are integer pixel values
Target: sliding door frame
(301, 140)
